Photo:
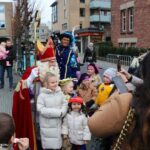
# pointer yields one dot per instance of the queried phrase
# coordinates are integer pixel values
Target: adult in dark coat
(90, 54)
(66, 58)
(7, 64)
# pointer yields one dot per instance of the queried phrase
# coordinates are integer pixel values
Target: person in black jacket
(8, 65)
(9, 62)
(90, 54)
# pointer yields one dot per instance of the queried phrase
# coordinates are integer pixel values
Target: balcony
(100, 18)
(106, 4)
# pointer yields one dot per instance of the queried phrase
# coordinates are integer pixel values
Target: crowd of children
(64, 107)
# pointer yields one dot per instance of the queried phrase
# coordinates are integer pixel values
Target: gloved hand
(73, 62)
(34, 74)
(90, 103)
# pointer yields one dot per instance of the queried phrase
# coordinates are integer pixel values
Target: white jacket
(75, 126)
(51, 106)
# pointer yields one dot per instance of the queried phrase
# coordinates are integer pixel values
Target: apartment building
(130, 23)
(67, 14)
(6, 15)
(74, 16)
(100, 16)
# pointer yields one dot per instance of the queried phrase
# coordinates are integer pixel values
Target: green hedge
(104, 48)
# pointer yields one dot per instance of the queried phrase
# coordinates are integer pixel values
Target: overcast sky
(44, 7)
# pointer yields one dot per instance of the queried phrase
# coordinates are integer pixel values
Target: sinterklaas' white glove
(34, 74)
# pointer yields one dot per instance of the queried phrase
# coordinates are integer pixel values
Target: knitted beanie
(110, 73)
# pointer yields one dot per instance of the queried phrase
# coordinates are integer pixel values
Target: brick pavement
(6, 95)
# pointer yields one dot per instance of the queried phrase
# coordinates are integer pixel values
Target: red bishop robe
(22, 113)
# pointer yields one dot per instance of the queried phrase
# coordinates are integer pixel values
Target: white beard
(44, 68)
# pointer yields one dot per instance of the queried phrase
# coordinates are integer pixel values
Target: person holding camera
(7, 135)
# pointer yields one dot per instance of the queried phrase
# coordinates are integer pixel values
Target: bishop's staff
(36, 25)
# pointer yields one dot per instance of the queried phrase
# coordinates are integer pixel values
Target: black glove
(90, 103)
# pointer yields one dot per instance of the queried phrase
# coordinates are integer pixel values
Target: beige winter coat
(87, 93)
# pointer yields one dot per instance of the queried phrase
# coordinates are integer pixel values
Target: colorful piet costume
(22, 108)
(66, 59)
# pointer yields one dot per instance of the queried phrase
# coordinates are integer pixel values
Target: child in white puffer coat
(75, 125)
(52, 107)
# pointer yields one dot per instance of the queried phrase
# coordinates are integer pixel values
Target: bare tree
(21, 23)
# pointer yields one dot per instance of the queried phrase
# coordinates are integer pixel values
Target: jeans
(2, 71)
(10, 76)
(78, 147)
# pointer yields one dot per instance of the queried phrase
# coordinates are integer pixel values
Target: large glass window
(54, 14)
(2, 16)
(2, 8)
(123, 20)
(131, 19)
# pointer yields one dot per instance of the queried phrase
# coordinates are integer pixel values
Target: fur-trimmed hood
(47, 91)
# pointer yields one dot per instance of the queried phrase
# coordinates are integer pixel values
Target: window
(131, 19)
(133, 44)
(82, 12)
(120, 44)
(65, 2)
(2, 17)
(65, 14)
(104, 12)
(43, 30)
(2, 9)
(123, 20)
(126, 45)
(2, 24)
(64, 26)
(82, 1)
(54, 14)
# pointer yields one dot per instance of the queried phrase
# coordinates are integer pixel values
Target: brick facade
(140, 36)
(72, 17)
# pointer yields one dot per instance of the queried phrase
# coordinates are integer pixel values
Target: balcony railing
(106, 4)
(100, 18)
